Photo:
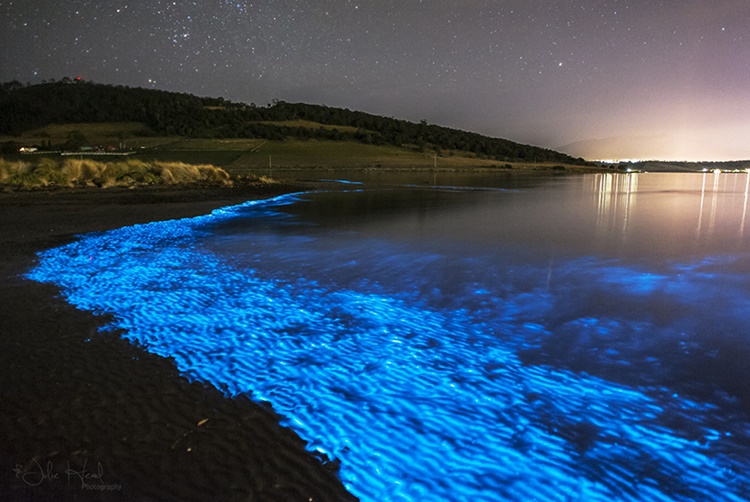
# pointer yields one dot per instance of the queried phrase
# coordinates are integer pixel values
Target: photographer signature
(38, 473)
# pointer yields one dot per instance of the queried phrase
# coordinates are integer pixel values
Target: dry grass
(46, 172)
(267, 180)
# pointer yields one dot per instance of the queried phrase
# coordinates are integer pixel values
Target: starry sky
(602, 79)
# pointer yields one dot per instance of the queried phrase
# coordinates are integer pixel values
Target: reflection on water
(575, 338)
(616, 199)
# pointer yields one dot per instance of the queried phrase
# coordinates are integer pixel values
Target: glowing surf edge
(350, 370)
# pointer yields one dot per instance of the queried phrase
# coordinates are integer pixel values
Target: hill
(151, 113)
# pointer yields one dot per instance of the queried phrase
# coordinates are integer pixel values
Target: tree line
(26, 107)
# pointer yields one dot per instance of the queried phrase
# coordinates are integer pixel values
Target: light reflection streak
(616, 199)
(631, 187)
(700, 210)
(744, 208)
(420, 402)
(714, 203)
(603, 192)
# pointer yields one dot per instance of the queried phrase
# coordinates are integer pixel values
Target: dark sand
(73, 399)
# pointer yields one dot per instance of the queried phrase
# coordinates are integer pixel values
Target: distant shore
(87, 415)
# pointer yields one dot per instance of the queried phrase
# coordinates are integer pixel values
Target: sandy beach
(88, 416)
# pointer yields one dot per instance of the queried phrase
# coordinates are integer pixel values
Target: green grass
(239, 156)
(134, 135)
(219, 152)
(308, 124)
(314, 153)
(201, 144)
(99, 131)
(292, 154)
(248, 155)
(221, 158)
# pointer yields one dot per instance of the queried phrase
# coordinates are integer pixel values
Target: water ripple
(420, 399)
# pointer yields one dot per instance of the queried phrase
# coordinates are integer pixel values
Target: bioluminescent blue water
(585, 339)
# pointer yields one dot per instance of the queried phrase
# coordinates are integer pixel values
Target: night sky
(595, 78)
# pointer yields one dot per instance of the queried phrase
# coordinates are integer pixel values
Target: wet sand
(87, 416)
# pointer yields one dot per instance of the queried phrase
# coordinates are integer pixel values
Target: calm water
(549, 338)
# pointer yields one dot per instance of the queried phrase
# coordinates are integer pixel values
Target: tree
(76, 139)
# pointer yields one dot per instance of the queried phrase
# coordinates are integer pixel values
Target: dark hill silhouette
(26, 107)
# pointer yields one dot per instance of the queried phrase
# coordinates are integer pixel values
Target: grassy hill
(180, 127)
(254, 156)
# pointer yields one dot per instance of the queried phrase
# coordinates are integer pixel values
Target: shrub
(72, 168)
(11, 171)
(77, 171)
(181, 173)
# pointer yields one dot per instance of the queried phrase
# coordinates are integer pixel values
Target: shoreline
(88, 416)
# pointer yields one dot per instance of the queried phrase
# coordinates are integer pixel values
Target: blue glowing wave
(419, 401)
(343, 182)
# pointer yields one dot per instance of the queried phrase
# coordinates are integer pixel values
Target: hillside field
(240, 156)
